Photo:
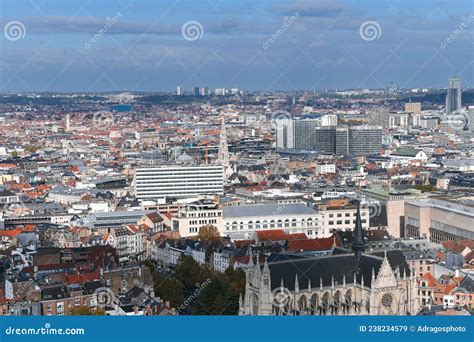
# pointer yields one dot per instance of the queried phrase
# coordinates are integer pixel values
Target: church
(347, 282)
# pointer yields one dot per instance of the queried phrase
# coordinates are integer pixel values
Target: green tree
(209, 233)
(172, 291)
(190, 273)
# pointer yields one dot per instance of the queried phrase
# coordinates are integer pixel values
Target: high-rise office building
(219, 91)
(453, 96)
(470, 118)
(305, 134)
(179, 90)
(324, 138)
(284, 134)
(413, 107)
(204, 91)
(195, 91)
(364, 140)
(178, 181)
(329, 120)
(379, 116)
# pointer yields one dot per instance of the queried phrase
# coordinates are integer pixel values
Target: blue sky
(244, 44)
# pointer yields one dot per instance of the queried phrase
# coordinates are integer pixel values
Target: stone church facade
(344, 283)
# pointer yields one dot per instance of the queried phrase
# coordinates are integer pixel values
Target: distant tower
(453, 96)
(358, 246)
(223, 155)
(68, 123)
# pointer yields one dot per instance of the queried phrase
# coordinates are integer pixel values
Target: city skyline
(285, 45)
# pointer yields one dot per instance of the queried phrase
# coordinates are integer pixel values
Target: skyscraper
(344, 140)
(453, 97)
(179, 90)
(195, 91)
(304, 133)
(284, 133)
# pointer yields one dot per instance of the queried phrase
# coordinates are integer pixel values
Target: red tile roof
(271, 235)
(81, 278)
(323, 244)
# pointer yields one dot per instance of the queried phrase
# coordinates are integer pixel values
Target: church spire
(223, 154)
(358, 246)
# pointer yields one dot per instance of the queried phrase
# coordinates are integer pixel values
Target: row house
(167, 252)
(128, 241)
(61, 299)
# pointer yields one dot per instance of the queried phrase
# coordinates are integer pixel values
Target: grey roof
(324, 268)
(268, 210)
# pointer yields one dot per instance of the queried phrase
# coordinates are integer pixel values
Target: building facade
(240, 222)
(178, 181)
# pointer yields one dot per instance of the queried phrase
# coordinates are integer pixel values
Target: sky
(145, 45)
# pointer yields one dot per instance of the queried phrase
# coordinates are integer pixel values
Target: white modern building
(178, 181)
(240, 222)
(195, 215)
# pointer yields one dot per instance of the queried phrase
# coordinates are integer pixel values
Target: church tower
(223, 154)
(68, 123)
(358, 246)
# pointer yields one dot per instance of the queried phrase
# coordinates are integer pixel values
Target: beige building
(440, 218)
(194, 215)
(340, 214)
(413, 107)
(394, 202)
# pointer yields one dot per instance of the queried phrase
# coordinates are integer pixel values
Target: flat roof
(268, 210)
